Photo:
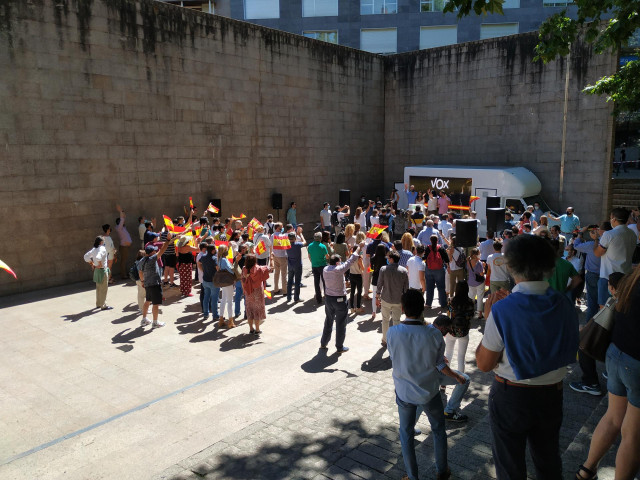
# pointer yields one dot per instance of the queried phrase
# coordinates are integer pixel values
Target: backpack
(334, 219)
(133, 271)
(461, 260)
(434, 259)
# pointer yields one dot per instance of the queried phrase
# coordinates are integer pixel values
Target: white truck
(517, 187)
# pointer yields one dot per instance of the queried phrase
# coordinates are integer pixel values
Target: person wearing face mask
(568, 223)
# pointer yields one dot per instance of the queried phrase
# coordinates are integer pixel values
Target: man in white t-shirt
(615, 249)
(444, 226)
(415, 265)
(325, 218)
(486, 247)
(498, 275)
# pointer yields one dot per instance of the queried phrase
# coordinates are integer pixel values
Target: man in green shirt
(564, 271)
(318, 255)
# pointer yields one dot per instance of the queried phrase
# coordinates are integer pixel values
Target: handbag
(595, 337)
(237, 271)
(223, 278)
(479, 277)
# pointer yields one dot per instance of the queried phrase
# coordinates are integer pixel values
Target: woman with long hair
(360, 218)
(436, 259)
(98, 258)
(476, 286)
(623, 384)
(461, 310)
(254, 280)
(350, 235)
(185, 265)
(407, 241)
(355, 276)
(378, 260)
(226, 302)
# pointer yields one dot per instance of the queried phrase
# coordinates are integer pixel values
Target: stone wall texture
(145, 104)
(488, 103)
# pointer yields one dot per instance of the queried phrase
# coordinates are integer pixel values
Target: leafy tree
(607, 24)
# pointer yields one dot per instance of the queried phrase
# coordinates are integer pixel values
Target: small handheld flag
(212, 209)
(370, 270)
(191, 203)
(6, 267)
(168, 223)
(261, 248)
(242, 215)
(281, 242)
(267, 293)
(376, 230)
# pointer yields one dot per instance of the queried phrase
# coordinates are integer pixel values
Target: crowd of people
(524, 282)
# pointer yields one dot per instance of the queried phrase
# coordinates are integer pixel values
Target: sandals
(591, 474)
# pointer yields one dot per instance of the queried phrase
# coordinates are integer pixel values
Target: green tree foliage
(607, 24)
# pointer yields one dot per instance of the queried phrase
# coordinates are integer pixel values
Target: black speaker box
(216, 202)
(344, 198)
(466, 233)
(495, 219)
(493, 202)
(276, 201)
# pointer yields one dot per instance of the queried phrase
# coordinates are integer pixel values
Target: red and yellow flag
(6, 267)
(267, 293)
(473, 198)
(251, 226)
(281, 242)
(261, 248)
(212, 209)
(191, 203)
(242, 215)
(459, 207)
(370, 270)
(168, 223)
(376, 230)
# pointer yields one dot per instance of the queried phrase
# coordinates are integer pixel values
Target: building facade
(383, 26)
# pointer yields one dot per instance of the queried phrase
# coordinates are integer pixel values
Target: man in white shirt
(498, 275)
(528, 344)
(486, 247)
(415, 265)
(444, 226)
(142, 227)
(325, 217)
(615, 249)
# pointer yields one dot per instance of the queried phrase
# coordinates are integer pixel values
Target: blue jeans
(336, 310)
(456, 396)
(603, 291)
(591, 280)
(435, 279)
(624, 375)
(237, 298)
(210, 301)
(294, 277)
(435, 413)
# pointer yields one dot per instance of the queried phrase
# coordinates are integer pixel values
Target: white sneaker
(158, 324)
(145, 322)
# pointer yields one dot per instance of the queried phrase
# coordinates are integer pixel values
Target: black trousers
(317, 278)
(356, 290)
(588, 367)
(521, 415)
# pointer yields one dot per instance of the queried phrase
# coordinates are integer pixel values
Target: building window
(432, 5)
(438, 36)
(372, 7)
(511, 4)
(379, 40)
(330, 36)
(490, 30)
(254, 9)
(320, 8)
(556, 3)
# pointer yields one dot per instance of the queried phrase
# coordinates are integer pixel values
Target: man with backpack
(457, 266)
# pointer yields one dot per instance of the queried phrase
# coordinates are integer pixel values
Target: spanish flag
(6, 267)
(281, 242)
(261, 248)
(370, 270)
(212, 209)
(251, 226)
(267, 293)
(242, 215)
(459, 207)
(168, 223)
(376, 230)
(473, 198)
(191, 203)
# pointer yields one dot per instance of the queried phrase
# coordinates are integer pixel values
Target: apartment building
(383, 26)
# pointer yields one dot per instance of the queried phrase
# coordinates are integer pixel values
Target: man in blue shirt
(417, 355)
(568, 223)
(411, 194)
(294, 260)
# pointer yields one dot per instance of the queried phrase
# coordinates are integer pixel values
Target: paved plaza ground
(90, 395)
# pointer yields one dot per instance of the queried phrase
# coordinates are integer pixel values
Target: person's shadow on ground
(74, 317)
(377, 363)
(129, 336)
(241, 341)
(369, 325)
(321, 361)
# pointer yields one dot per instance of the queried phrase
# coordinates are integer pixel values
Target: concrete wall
(145, 104)
(487, 103)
